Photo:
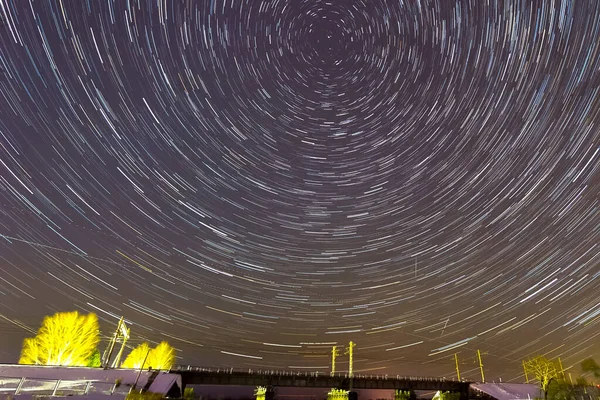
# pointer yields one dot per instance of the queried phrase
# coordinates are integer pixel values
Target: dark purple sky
(256, 181)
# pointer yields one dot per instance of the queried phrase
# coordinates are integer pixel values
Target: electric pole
(350, 353)
(122, 333)
(111, 346)
(525, 371)
(457, 370)
(334, 353)
(562, 370)
(480, 366)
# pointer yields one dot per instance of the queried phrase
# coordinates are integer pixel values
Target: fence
(58, 387)
(313, 374)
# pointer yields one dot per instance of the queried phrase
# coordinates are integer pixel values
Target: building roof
(509, 391)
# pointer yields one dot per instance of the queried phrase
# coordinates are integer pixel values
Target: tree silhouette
(589, 365)
(66, 338)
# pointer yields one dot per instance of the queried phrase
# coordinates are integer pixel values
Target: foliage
(334, 394)
(589, 365)
(136, 358)
(561, 390)
(31, 352)
(404, 395)
(581, 381)
(66, 338)
(94, 360)
(260, 393)
(162, 356)
(188, 394)
(544, 370)
(447, 395)
(135, 395)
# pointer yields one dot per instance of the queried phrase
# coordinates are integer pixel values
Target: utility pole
(139, 373)
(111, 346)
(457, 370)
(350, 353)
(122, 332)
(562, 370)
(334, 353)
(480, 366)
(124, 335)
(525, 371)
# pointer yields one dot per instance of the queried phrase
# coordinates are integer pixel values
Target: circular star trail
(256, 181)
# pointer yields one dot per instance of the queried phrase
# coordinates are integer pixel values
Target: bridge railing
(308, 374)
(56, 387)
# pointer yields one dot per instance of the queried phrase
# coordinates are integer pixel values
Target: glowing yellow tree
(66, 338)
(544, 371)
(260, 393)
(338, 394)
(30, 354)
(136, 358)
(162, 356)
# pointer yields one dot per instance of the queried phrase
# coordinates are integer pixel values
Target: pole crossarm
(334, 353)
(122, 334)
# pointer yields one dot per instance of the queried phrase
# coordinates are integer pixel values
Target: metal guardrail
(56, 387)
(313, 374)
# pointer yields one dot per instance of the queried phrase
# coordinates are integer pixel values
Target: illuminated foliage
(544, 370)
(30, 354)
(404, 395)
(338, 394)
(162, 356)
(94, 360)
(446, 395)
(260, 393)
(66, 338)
(136, 358)
(188, 394)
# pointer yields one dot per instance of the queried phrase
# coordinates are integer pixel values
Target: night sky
(255, 181)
